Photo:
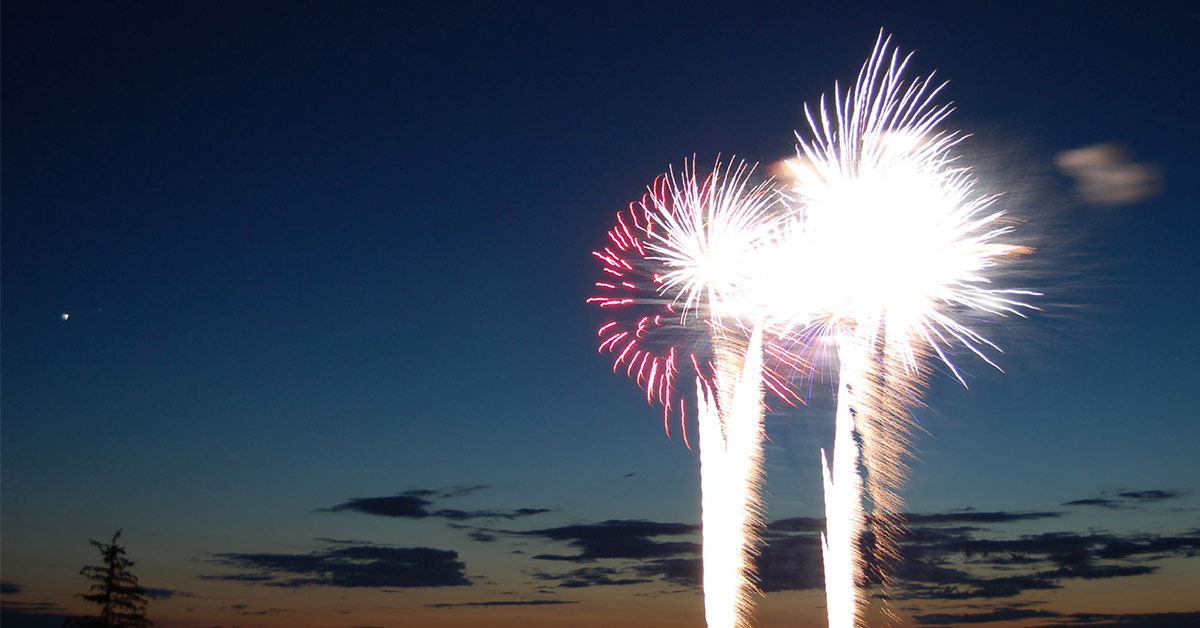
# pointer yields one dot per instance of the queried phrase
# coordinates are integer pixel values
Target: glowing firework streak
(684, 261)
(884, 206)
(730, 481)
(843, 495)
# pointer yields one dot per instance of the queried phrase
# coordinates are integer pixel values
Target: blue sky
(313, 253)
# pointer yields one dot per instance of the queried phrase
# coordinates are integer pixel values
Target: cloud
(9, 588)
(413, 505)
(461, 491)
(164, 594)
(1105, 175)
(32, 607)
(629, 539)
(270, 611)
(481, 536)
(959, 555)
(684, 572)
(503, 603)
(404, 506)
(463, 515)
(1151, 496)
(351, 566)
(592, 576)
(1095, 501)
(1127, 499)
(1128, 620)
(1001, 614)
(962, 566)
(633, 541)
(971, 516)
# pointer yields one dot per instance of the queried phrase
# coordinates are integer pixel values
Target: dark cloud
(1128, 620)
(1151, 496)
(630, 539)
(1095, 501)
(461, 491)
(463, 515)
(963, 566)
(592, 576)
(626, 540)
(164, 594)
(32, 607)
(971, 587)
(1127, 499)
(1099, 572)
(405, 506)
(503, 603)
(1000, 614)
(269, 611)
(956, 555)
(347, 566)
(446, 493)
(971, 516)
(684, 572)
(9, 588)
(413, 505)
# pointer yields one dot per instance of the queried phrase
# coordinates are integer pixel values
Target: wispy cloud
(503, 603)
(1127, 620)
(1121, 500)
(164, 594)
(343, 565)
(1105, 175)
(592, 576)
(1001, 614)
(629, 539)
(414, 504)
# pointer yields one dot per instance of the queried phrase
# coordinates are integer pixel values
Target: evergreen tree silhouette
(115, 589)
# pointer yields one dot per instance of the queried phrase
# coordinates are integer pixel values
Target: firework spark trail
(731, 448)
(682, 262)
(843, 491)
(882, 203)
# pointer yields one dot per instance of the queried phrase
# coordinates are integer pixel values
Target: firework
(896, 250)
(676, 271)
(681, 265)
(908, 250)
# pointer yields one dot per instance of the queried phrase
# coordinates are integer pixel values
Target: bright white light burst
(896, 250)
(888, 227)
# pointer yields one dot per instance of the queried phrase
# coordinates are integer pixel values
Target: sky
(293, 294)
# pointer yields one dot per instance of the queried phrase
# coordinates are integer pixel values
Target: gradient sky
(328, 361)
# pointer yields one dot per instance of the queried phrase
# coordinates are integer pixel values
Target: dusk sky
(293, 293)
